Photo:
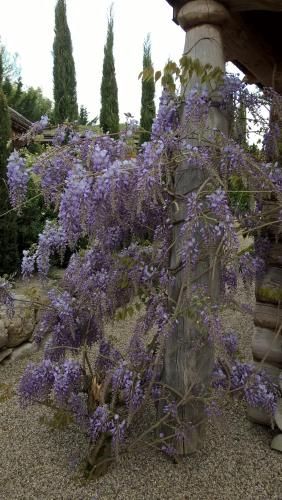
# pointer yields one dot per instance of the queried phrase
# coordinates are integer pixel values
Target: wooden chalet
(247, 33)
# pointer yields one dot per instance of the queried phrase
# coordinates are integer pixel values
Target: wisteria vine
(113, 205)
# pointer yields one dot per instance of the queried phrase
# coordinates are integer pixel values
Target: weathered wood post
(189, 354)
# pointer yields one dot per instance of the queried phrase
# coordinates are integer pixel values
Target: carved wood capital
(196, 12)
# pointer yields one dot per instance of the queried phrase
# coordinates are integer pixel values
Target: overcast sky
(27, 27)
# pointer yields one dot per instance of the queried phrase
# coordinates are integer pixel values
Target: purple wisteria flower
(251, 266)
(262, 393)
(219, 206)
(60, 135)
(167, 117)
(230, 343)
(196, 107)
(99, 422)
(18, 176)
(28, 264)
(37, 382)
(39, 126)
(254, 386)
(74, 204)
(67, 379)
(51, 240)
(130, 129)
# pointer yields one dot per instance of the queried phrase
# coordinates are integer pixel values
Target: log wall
(267, 338)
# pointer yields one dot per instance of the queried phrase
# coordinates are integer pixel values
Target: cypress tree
(64, 78)
(240, 125)
(148, 109)
(109, 115)
(1, 69)
(9, 257)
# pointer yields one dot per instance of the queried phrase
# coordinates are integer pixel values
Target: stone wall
(16, 333)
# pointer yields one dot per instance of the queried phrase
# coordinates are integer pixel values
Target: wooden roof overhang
(252, 38)
(20, 124)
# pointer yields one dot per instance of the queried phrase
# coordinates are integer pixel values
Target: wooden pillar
(189, 354)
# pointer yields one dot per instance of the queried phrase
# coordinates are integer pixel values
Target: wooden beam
(248, 5)
(252, 54)
(19, 122)
(240, 5)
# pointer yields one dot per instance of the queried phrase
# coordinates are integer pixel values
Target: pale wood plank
(267, 315)
(266, 344)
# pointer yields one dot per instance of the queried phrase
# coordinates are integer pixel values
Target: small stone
(21, 327)
(258, 416)
(276, 443)
(5, 353)
(23, 350)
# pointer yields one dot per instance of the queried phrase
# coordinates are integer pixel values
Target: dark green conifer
(109, 115)
(83, 115)
(9, 257)
(64, 78)
(148, 109)
(1, 69)
(240, 125)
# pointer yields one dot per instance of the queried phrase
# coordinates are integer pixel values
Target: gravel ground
(236, 461)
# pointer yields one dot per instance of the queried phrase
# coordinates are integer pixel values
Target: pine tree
(109, 115)
(83, 115)
(9, 257)
(64, 78)
(148, 109)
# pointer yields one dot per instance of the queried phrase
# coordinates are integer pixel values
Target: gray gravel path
(235, 463)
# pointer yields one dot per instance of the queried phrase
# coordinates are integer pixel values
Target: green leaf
(158, 75)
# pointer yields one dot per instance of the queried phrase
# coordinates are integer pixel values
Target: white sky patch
(27, 27)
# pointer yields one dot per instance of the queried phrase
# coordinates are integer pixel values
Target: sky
(27, 27)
